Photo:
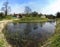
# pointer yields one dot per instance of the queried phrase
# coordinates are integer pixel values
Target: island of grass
(31, 19)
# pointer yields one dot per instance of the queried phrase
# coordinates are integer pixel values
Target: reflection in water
(28, 34)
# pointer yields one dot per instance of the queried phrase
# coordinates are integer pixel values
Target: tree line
(28, 12)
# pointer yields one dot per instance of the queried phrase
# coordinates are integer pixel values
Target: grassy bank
(32, 19)
(25, 19)
(3, 42)
(55, 39)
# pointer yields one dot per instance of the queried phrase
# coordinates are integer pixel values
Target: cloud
(19, 8)
(34, 5)
(1, 4)
(52, 8)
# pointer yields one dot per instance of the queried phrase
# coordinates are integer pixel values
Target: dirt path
(2, 38)
(4, 22)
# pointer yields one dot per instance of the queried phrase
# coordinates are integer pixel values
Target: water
(29, 33)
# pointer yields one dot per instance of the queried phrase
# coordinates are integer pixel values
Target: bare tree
(6, 8)
(27, 10)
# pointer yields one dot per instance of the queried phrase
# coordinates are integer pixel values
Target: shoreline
(55, 39)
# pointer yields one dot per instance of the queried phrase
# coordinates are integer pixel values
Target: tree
(34, 13)
(5, 8)
(58, 15)
(50, 16)
(40, 14)
(27, 11)
(1, 15)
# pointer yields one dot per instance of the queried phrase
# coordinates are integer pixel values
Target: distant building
(43, 16)
(18, 15)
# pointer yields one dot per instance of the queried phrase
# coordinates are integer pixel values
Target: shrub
(1, 43)
(8, 17)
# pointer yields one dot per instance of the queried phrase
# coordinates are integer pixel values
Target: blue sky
(41, 6)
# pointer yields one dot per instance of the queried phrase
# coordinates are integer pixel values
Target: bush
(8, 17)
(58, 15)
(1, 43)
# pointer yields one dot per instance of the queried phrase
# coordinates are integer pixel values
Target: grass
(55, 39)
(3, 42)
(31, 19)
(6, 18)
(25, 19)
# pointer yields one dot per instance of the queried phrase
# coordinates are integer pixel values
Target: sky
(40, 6)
